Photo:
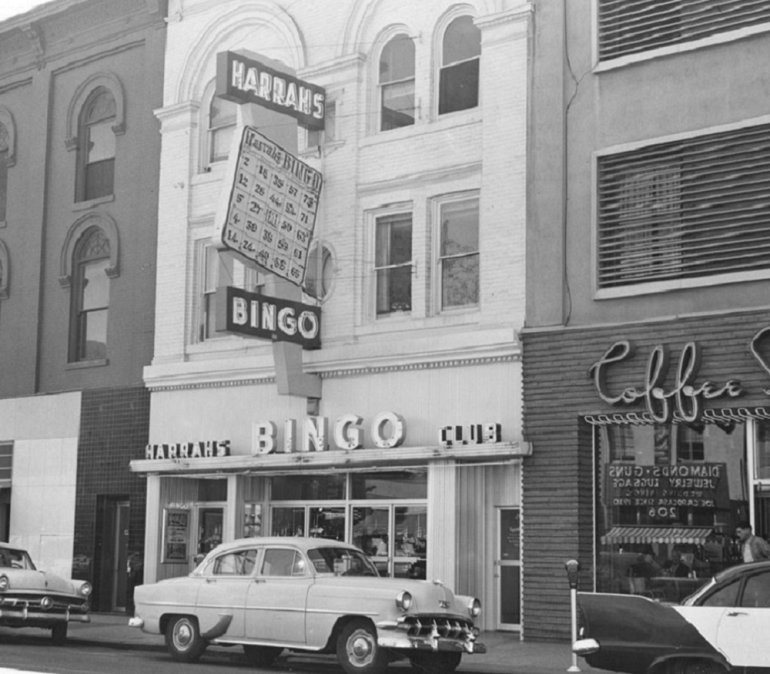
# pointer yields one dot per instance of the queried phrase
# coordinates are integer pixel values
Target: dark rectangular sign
(245, 80)
(272, 318)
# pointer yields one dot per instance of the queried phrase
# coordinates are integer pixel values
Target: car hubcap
(182, 635)
(360, 648)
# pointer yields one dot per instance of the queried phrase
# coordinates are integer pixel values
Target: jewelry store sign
(663, 489)
(268, 215)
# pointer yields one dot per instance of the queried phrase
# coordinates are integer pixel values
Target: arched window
(397, 107)
(221, 120)
(90, 297)
(96, 146)
(5, 150)
(459, 73)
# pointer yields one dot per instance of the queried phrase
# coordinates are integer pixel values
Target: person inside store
(753, 548)
(676, 566)
(642, 571)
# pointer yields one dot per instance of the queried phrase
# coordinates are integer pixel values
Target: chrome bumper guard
(585, 646)
(432, 634)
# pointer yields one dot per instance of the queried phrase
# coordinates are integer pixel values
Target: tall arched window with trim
(90, 297)
(459, 73)
(5, 146)
(96, 146)
(396, 82)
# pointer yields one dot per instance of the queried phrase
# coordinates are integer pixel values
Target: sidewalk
(506, 653)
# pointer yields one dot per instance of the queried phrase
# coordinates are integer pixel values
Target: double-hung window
(634, 26)
(4, 153)
(90, 297)
(397, 100)
(96, 146)
(690, 208)
(458, 255)
(393, 263)
(221, 126)
(459, 74)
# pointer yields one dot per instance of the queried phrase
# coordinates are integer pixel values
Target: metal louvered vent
(632, 26)
(690, 208)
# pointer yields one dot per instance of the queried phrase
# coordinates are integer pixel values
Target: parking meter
(573, 568)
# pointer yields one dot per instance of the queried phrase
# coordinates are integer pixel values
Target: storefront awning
(628, 534)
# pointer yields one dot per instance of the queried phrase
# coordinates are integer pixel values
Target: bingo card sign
(270, 210)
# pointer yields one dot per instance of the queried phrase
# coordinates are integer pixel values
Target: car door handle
(733, 614)
(259, 580)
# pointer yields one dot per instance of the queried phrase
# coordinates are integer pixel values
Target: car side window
(240, 563)
(278, 562)
(756, 592)
(724, 596)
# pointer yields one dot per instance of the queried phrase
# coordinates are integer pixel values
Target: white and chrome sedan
(309, 595)
(33, 598)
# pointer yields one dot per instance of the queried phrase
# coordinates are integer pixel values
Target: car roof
(740, 569)
(299, 542)
(8, 546)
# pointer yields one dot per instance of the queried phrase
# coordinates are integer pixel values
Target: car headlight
(404, 600)
(4, 583)
(474, 608)
(86, 589)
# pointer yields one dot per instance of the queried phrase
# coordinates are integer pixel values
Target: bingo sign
(272, 206)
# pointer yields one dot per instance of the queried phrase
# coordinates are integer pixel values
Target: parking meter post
(573, 567)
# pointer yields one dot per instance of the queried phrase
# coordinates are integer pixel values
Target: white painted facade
(432, 367)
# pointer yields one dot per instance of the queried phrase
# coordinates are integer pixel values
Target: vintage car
(308, 594)
(721, 627)
(33, 598)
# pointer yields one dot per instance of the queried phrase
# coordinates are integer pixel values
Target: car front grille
(437, 626)
(48, 603)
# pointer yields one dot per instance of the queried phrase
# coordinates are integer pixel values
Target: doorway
(207, 528)
(508, 569)
(114, 513)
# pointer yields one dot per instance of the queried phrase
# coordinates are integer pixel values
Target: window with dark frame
(393, 263)
(90, 297)
(459, 253)
(96, 147)
(459, 73)
(628, 27)
(397, 83)
(689, 208)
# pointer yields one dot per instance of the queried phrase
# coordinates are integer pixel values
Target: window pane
(96, 284)
(327, 523)
(391, 485)
(397, 105)
(459, 87)
(99, 178)
(394, 240)
(756, 593)
(94, 334)
(221, 140)
(288, 522)
(460, 281)
(394, 290)
(462, 41)
(397, 60)
(101, 141)
(411, 542)
(303, 488)
(460, 227)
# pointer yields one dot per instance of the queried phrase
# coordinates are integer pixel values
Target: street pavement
(506, 653)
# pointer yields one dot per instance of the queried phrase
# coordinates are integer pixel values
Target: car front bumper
(430, 634)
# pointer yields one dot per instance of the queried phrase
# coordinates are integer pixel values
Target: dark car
(33, 598)
(722, 627)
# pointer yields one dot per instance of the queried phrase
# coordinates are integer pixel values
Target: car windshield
(341, 562)
(15, 559)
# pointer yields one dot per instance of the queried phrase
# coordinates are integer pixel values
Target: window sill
(436, 124)
(85, 205)
(84, 364)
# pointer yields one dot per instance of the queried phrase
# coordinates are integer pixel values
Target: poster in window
(510, 531)
(176, 528)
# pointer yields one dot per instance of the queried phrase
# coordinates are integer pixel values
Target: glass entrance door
(208, 530)
(508, 569)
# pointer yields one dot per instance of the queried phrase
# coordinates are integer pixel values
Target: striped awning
(630, 534)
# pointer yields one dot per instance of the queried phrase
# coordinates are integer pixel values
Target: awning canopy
(631, 534)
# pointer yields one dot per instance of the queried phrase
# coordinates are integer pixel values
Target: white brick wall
(481, 149)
